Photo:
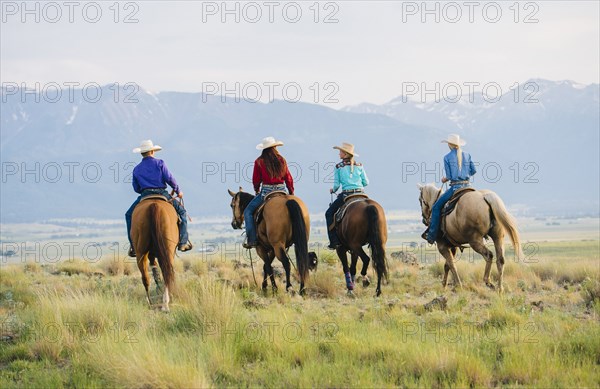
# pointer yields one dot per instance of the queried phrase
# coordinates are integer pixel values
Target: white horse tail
(506, 220)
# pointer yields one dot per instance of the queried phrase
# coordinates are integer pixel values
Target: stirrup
(131, 252)
(249, 245)
(185, 246)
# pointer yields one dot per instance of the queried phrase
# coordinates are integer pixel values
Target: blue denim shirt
(453, 173)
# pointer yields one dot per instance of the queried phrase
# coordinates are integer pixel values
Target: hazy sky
(368, 52)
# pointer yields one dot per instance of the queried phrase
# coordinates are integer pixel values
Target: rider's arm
(336, 179)
(256, 177)
(168, 177)
(363, 177)
(289, 180)
(136, 184)
(472, 169)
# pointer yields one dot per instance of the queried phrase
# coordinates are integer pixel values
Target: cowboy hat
(347, 148)
(268, 142)
(146, 146)
(454, 139)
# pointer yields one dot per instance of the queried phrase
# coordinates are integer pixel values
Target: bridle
(235, 223)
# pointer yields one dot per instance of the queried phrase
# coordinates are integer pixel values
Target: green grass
(88, 325)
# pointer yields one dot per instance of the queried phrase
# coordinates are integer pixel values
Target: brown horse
(364, 223)
(284, 222)
(155, 234)
(478, 214)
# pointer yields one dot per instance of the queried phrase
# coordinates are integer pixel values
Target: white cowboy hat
(347, 148)
(146, 146)
(268, 142)
(454, 139)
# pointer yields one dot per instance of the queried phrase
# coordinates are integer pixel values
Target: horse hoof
(366, 282)
(165, 309)
(350, 294)
(378, 293)
(490, 285)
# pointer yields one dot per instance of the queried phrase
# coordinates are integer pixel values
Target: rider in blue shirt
(351, 176)
(151, 177)
(459, 168)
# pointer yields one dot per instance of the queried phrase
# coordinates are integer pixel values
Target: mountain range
(73, 157)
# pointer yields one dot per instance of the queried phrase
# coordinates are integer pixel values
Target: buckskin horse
(363, 223)
(154, 233)
(477, 214)
(284, 222)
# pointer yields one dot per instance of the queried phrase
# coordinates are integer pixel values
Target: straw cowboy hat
(146, 146)
(268, 142)
(347, 148)
(454, 139)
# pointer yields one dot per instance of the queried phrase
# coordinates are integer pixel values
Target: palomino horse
(285, 221)
(477, 214)
(363, 223)
(155, 234)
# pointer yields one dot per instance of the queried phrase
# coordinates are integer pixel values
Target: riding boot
(131, 252)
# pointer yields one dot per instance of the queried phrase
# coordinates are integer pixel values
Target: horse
(363, 223)
(284, 222)
(477, 214)
(155, 234)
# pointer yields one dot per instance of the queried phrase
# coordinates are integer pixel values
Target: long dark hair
(274, 162)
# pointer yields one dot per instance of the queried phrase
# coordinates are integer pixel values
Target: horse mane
(245, 199)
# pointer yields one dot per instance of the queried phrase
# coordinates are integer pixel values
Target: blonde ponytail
(458, 156)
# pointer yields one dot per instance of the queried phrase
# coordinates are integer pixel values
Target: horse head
(239, 202)
(429, 194)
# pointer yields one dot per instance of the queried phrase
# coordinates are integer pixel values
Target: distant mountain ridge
(547, 152)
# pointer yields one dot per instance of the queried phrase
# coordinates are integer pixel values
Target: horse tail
(160, 246)
(299, 237)
(506, 220)
(374, 239)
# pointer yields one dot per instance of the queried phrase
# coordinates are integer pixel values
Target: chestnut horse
(155, 234)
(477, 214)
(363, 223)
(284, 222)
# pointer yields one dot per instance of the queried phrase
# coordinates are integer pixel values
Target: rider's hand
(180, 195)
(330, 190)
(444, 180)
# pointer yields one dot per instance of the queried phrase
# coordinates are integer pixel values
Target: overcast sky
(366, 53)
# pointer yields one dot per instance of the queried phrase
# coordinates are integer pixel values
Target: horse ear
(231, 193)
(420, 186)
(240, 188)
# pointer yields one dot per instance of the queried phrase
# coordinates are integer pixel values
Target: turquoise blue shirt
(348, 180)
(453, 173)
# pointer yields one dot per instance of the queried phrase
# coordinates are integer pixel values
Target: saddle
(448, 209)
(154, 197)
(259, 211)
(351, 199)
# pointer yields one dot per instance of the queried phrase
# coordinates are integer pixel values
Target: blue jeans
(333, 207)
(436, 211)
(252, 207)
(183, 234)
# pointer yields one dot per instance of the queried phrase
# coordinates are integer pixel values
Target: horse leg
(449, 265)
(143, 266)
(498, 238)
(285, 260)
(269, 271)
(480, 248)
(353, 261)
(365, 260)
(264, 255)
(341, 252)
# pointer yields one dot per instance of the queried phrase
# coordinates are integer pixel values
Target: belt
(452, 183)
(353, 191)
(273, 186)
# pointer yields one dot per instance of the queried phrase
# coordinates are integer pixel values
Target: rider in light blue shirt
(459, 168)
(351, 176)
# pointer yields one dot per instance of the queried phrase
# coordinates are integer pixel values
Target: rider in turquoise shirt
(351, 176)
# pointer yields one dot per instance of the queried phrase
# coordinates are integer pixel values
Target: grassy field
(81, 324)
